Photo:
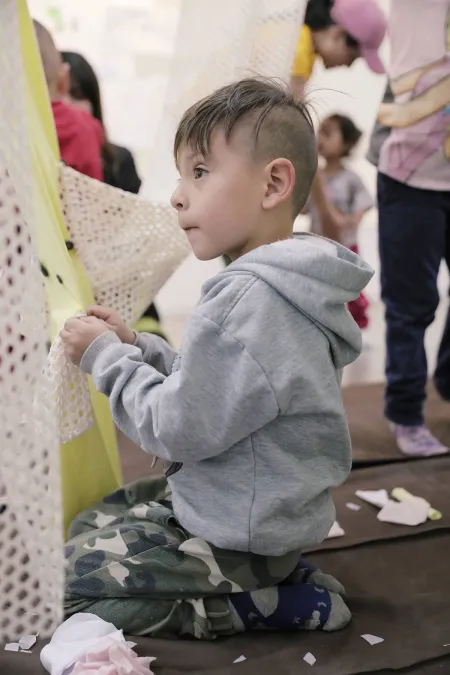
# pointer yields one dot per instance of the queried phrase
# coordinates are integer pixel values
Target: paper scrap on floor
(336, 531)
(240, 659)
(402, 495)
(372, 639)
(24, 645)
(84, 641)
(110, 657)
(309, 658)
(352, 506)
(412, 512)
(27, 642)
(375, 497)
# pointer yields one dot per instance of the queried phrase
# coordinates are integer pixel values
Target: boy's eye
(199, 172)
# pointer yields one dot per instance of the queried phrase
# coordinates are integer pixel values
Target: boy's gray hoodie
(248, 416)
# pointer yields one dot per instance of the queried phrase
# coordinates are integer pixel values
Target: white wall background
(130, 43)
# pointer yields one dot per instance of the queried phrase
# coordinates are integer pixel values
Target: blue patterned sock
(307, 573)
(302, 606)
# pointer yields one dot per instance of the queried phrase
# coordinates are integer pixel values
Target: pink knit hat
(365, 22)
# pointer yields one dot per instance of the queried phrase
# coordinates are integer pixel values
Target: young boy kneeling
(248, 417)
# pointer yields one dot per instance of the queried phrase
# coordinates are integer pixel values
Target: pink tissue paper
(109, 657)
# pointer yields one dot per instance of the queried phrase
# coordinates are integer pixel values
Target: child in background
(345, 190)
(338, 32)
(80, 136)
(248, 418)
(119, 169)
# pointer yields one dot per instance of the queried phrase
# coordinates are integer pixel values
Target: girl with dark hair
(345, 191)
(118, 164)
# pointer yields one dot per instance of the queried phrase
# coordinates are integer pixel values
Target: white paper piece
(26, 651)
(372, 639)
(79, 634)
(375, 497)
(309, 658)
(336, 531)
(27, 641)
(412, 512)
(240, 659)
(352, 506)
(12, 647)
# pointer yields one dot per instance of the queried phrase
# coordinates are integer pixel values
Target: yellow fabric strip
(305, 56)
(90, 465)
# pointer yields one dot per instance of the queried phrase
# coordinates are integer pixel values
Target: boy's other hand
(78, 334)
(111, 317)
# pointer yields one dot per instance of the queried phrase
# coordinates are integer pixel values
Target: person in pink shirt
(414, 213)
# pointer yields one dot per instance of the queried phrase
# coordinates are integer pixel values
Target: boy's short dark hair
(281, 126)
(350, 132)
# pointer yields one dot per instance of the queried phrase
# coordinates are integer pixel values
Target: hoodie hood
(318, 277)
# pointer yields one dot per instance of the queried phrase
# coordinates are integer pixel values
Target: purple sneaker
(417, 441)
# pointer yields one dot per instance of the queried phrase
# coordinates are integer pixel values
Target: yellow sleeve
(304, 55)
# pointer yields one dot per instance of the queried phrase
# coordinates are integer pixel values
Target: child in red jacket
(80, 136)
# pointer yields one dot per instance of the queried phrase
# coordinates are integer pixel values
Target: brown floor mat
(409, 610)
(398, 592)
(399, 586)
(371, 438)
(429, 479)
(398, 589)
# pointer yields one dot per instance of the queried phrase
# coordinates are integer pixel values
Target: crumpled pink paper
(109, 657)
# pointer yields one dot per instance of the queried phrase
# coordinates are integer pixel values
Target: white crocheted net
(70, 390)
(31, 551)
(128, 247)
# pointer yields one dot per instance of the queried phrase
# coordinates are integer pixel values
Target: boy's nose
(178, 200)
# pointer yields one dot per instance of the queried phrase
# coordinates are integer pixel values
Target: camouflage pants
(131, 563)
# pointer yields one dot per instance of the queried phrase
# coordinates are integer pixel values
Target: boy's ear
(280, 182)
(63, 81)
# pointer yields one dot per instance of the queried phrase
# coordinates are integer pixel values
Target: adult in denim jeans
(414, 213)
